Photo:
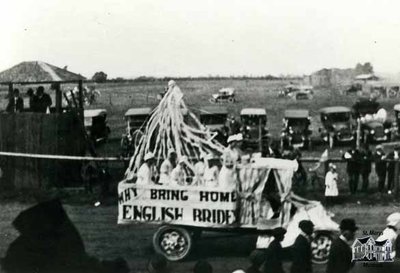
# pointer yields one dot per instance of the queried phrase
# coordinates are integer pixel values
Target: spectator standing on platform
(393, 156)
(302, 249)
(340, 255)
(43, 100)
(352, 157)
(331, 190)
(365, 166)
(274, 252)
(32, 99)
(16, 104)
(380, 167)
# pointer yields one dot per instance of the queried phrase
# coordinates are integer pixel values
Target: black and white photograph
(228, 136)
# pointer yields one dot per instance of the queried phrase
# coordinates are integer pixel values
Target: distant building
(331, 77)
(365, 78)
(367, 249)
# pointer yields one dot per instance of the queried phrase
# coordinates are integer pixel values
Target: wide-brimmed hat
(393, 219)
(148, 156)
(348, 224)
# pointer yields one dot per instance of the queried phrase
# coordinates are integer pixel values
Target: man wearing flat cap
(274, 253)
(340, 255)
(301, 251)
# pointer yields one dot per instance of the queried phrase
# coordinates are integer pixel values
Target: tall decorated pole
(173, 126)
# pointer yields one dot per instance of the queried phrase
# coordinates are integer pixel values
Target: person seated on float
(199, 169)
(145, 174)
(211, 172)
(167, 166)
(230, 158)
(178, 174)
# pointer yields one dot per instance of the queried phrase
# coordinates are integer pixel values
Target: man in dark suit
(301, 251)
(274, 253)
(380, 167)
(352, 157)
(16, 104)
(365, 166)
(340, 255)
(392, 157)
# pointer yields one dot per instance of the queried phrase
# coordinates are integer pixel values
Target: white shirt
(165, 171)
(144, 175)
(210, 177)
(178, 176)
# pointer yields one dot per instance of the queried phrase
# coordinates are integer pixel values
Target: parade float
(262, 200)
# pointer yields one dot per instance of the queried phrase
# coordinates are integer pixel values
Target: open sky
(130, 38)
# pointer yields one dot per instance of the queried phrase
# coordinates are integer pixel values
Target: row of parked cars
(338, 124)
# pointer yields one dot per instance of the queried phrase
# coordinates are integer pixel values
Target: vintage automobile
(296, 131)
(337, 125)
(214, 118)
(95, 121)
(136, 119)
(186, 213)
(254, 128)
(374, 126)
(224, 95)
(292, 91)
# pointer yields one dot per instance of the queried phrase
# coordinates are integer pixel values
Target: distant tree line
(155, 79)
(365, 68)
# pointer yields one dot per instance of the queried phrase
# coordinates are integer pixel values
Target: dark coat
(390, 165)
(366, 161)
(301, 255)
(380, 164)
(274, 258)
(353, 163)
(15, 105)
(339, 260)
(42, 103)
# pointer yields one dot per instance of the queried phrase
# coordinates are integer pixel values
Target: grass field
(104, 239)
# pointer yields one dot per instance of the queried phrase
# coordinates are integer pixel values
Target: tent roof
(90, 113)
(253, 111)
(213, 110)
(37, 71)
(297, 113)
(335, 109)
(138, 111)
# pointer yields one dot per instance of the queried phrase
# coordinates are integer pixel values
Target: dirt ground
(105, 239)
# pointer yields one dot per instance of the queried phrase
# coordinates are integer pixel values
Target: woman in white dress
(230, 158)
(331, 190)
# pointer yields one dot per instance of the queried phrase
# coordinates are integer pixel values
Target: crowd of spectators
(272, 259)
(39, 101)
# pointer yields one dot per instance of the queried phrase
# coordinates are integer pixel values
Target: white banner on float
(182, 205)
